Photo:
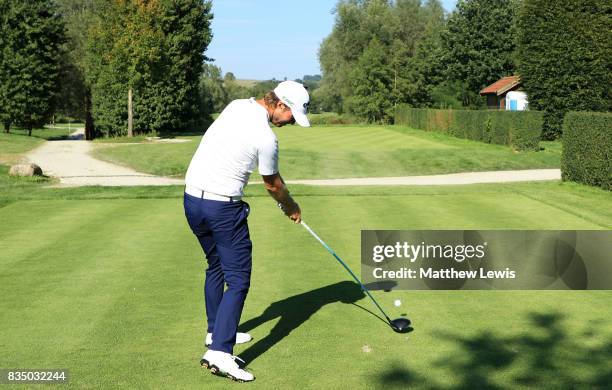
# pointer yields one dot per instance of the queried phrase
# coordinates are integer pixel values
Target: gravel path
(71, 162)
(448, 179)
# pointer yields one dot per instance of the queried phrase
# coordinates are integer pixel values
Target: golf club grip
(330, 250)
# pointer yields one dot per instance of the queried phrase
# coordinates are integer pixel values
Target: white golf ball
(397, 303)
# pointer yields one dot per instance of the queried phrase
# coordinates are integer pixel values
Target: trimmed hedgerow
(587, 149)
(519, 129)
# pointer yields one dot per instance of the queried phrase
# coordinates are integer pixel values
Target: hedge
(332, 118)
(587, 149)
(519, 129)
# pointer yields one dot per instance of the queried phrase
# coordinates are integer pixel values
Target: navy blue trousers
(223, 233)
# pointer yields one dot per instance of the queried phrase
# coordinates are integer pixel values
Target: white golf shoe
(224, 364)
(241, 338)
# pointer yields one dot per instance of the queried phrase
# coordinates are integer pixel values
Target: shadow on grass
(294, 311)
(57, 138)
(541, 356)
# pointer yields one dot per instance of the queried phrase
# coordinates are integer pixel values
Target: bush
(521, 130)
(564, 57)
(331, 118)
(587, 149)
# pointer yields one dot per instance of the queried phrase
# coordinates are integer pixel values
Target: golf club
(400, 325)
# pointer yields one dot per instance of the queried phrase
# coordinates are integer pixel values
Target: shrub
(521, 130)
(331, 118)
(587, 149)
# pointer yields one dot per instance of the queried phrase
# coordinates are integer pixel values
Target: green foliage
(478, 46)
(426, 68)
(73, 88)
(371, 82)
(212, 91)
(367, 59)
(446, 95)
(587, 149)
(332, 118)
(31, 36)
(217, 92)
(261, 88)
(156, 48)
(521, 130)
(565, 57)
(233, 89)
(427, 60)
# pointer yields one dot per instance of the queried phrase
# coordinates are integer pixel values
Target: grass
(107, 282)
(351, 151)
(57, 131)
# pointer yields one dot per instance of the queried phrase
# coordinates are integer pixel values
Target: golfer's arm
(278, 190)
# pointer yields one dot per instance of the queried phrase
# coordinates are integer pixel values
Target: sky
(264, 39)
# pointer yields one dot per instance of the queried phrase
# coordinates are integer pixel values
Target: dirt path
(448, 179)
(71, 162)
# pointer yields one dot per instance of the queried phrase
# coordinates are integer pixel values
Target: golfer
(239, 140)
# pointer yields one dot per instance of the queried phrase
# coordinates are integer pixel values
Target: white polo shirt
(233, 145)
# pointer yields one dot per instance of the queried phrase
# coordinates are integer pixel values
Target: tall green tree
(565, 57)
(478, 45)
(187, 32)
(371, 81)
(425, 69)
(357, 23)
(31, 35)
(155, 48)
(421, 67)
(398, 26)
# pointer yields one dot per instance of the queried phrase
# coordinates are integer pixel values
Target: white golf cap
(294, 95)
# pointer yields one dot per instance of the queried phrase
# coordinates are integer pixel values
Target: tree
(478, 45)
(156, 49)
(398, 27)
(212, 91)
(330, 95)
(371, 81)
(426, 69)
(565, 57)
(233, 89)
(262, 87)
(32, 34)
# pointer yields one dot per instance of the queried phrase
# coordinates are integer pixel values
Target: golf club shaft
(330, 250)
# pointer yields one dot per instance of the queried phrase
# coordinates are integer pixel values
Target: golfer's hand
(292, 210)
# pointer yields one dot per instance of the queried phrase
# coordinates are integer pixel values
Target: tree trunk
(89, 124)
(7, 127)
(29, 130)
(130, 117)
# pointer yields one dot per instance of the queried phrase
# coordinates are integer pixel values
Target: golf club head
(400, 325)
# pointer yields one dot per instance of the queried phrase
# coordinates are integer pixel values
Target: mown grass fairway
(351, 151)
(109, 285)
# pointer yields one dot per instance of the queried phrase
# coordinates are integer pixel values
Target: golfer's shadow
(294, 311)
